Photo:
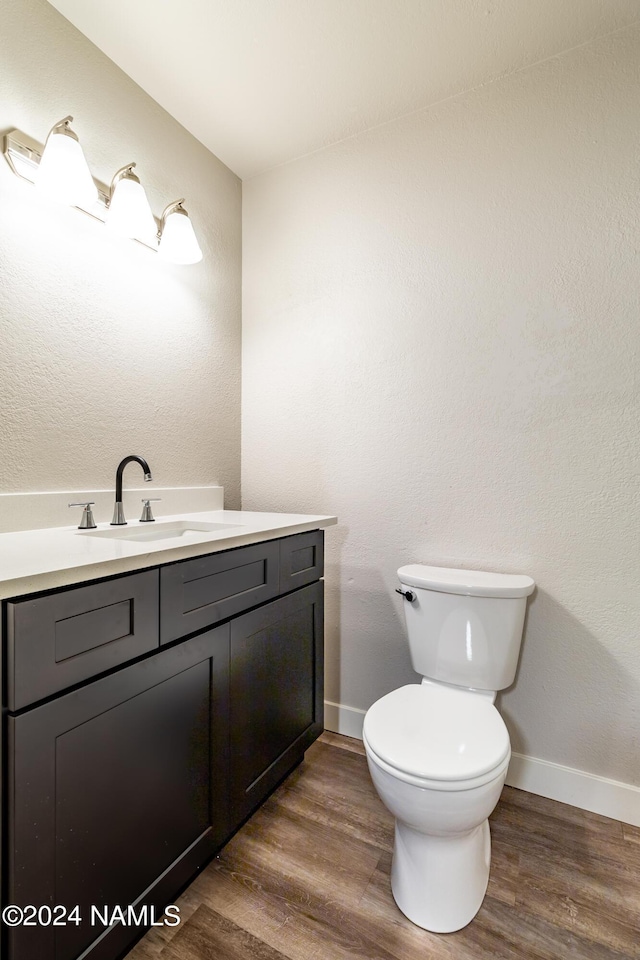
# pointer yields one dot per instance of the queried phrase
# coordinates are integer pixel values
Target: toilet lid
(436, 732)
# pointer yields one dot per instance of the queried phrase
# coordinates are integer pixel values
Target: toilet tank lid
(468, 583)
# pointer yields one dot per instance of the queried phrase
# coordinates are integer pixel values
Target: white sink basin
(157, 530)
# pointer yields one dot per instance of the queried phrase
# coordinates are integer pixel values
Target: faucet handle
(147, 516)
(87, 522)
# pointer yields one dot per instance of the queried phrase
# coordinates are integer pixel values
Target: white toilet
(438, 751)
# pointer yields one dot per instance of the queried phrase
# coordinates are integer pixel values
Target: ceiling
(261, 82)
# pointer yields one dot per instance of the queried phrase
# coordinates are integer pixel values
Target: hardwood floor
(307, 878)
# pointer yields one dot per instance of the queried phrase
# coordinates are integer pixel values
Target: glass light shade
(178, 243)
(63, 174)
(129, 213)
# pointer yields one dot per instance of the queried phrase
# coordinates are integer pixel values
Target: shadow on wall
(578, 678)
(366, 649)
(334, 541)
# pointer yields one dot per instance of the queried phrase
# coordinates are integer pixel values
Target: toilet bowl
(441, 786)
(438, 751)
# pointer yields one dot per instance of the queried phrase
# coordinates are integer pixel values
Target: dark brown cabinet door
(122, 789)
(276, 684)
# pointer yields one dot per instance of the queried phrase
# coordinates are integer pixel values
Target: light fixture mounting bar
(23, 154)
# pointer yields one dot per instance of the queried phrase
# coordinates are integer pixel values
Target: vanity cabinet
(119, 787)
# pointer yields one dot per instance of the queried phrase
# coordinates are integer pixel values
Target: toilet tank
(465, 626)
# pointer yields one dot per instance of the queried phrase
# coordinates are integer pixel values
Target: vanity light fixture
(129, 214)
(63, 174)
(178, 242)
(59, 169)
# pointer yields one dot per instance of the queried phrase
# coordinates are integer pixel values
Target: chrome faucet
(118, 519)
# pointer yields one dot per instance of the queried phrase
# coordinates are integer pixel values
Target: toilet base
(439, 882)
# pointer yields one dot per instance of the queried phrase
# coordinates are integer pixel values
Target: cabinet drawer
(200, 592)
(56, 641)
(301, 559)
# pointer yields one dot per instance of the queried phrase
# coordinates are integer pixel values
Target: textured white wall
(441, 345)
(104, 349)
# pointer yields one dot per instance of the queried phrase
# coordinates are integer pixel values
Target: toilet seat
(445, 786)
(437, 736)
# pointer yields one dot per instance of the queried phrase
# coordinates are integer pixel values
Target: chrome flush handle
(407, 594)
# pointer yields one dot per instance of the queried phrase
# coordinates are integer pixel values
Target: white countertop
(34, 560)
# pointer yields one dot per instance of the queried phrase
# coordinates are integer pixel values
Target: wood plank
(154, 942)
(505, 871)
(333, 787)
(545, 822)
(299, 857)
(502, 932)
(320, 923)
(630, 833)
(343, 743)
(210, 936)
(598, 898)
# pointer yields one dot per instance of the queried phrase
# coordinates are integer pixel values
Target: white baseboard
(609, 798)
(345, 720)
